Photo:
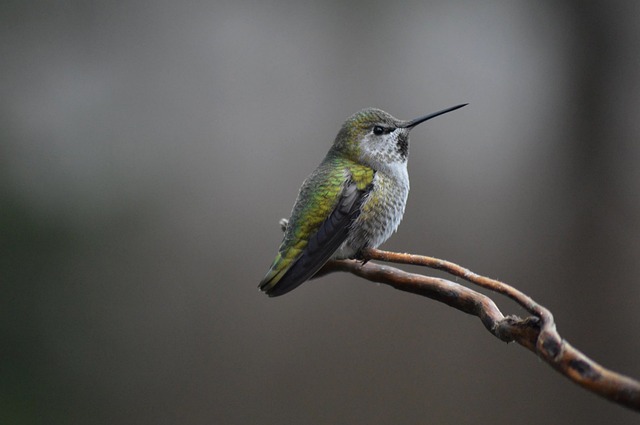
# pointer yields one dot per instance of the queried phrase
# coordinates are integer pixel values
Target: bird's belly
(380, 216)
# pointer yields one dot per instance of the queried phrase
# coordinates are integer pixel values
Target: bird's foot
(359, 256)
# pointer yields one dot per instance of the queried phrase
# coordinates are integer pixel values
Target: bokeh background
(148, 149)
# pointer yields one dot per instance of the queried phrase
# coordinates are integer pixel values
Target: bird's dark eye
(378, 130)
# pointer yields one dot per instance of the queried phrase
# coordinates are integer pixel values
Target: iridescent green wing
(326, 207)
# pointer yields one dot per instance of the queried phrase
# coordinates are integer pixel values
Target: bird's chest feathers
(389, 192)
(383, 209)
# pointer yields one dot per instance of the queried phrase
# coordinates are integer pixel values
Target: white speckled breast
(381, 213)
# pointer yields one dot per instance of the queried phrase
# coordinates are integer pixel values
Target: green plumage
(317, 199)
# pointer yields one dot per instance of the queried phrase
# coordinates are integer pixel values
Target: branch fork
(536, 332)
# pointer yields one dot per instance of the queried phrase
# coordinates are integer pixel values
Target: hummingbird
(354, 200)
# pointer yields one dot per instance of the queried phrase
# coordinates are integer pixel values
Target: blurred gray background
(148, 150)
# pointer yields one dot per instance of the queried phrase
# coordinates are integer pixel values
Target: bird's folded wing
(331, 233)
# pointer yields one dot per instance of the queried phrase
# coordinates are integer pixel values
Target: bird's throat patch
(403, 145)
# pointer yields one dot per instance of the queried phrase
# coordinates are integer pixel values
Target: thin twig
(537, 333)
(552, 340)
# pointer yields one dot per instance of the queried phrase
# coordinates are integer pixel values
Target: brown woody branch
(537, 332)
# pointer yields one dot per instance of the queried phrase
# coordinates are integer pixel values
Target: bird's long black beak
(414, 122)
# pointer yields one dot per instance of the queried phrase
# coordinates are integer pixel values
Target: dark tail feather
(301, 271)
